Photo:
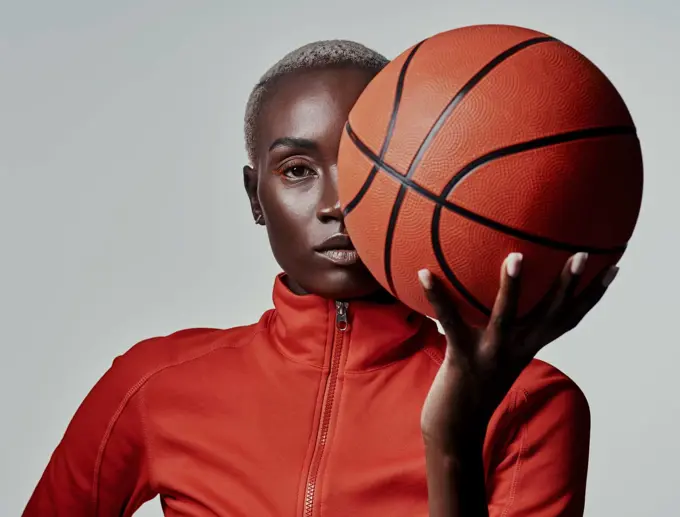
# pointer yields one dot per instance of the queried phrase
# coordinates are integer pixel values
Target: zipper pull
(341, 321)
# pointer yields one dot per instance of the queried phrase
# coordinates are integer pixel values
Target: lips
(338, 241)
(339, 249)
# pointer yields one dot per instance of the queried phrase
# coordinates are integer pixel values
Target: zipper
(341, 321)
(341, 326)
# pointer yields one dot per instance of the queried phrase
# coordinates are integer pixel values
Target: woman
(340, 401)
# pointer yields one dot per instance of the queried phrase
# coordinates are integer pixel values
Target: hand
(481, 365)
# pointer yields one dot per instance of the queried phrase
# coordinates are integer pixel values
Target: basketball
(483, 141)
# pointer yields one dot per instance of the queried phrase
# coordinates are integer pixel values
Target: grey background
(122, 214)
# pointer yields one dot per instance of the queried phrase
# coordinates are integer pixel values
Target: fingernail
(513, 264)
(610, 276)
(425, 278)
(578, 263)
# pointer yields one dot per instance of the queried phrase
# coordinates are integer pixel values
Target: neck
(379, 296)
(376, 329)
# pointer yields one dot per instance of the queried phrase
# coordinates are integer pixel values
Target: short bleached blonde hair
(313, 56)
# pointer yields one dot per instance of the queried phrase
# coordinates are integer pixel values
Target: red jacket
(297, 415)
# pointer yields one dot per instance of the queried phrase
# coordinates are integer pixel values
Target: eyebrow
(289, 141)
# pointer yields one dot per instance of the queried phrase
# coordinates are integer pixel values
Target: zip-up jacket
(314, 411)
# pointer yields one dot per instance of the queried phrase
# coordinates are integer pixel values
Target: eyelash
(293, 164)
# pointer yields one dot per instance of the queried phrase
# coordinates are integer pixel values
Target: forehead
(313, 105)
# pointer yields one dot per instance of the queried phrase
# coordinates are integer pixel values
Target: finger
(590, 297)
(505, 307)
(444, 309)
(571, 274)
(550, 318)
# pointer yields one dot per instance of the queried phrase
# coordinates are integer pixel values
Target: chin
(344, 283)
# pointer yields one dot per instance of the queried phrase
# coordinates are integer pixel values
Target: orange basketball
(483, 141)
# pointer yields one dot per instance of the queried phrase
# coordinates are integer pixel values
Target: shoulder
(106, 440)
(543, 381)
(543, 393)
(151, 356)
(537, 445)
(115, 395)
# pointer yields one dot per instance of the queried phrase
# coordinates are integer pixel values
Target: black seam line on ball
(388, 135)
(446, 269)
(545, 141)
(467, 87)
(516, 149)
(432, 134)
(533, 313)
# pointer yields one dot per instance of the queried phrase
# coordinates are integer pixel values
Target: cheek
(290, 212)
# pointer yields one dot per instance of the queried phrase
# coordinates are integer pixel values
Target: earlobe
(250, 183)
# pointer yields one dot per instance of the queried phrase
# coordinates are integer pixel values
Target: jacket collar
(305, 328)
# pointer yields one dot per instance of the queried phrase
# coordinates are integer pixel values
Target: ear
(250, 183)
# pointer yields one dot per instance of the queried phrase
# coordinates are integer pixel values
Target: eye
(296, 170)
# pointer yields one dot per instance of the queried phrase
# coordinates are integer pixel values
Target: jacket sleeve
(100, 467)
(540, 462)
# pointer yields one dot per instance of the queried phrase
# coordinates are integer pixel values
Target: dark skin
(293, 188)
(293, 192)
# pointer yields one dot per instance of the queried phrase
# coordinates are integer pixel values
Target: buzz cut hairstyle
(313, 56)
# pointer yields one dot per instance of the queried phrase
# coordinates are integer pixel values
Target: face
(293, 187)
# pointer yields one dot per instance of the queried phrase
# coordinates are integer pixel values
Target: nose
(329, 204)
(331, 213)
